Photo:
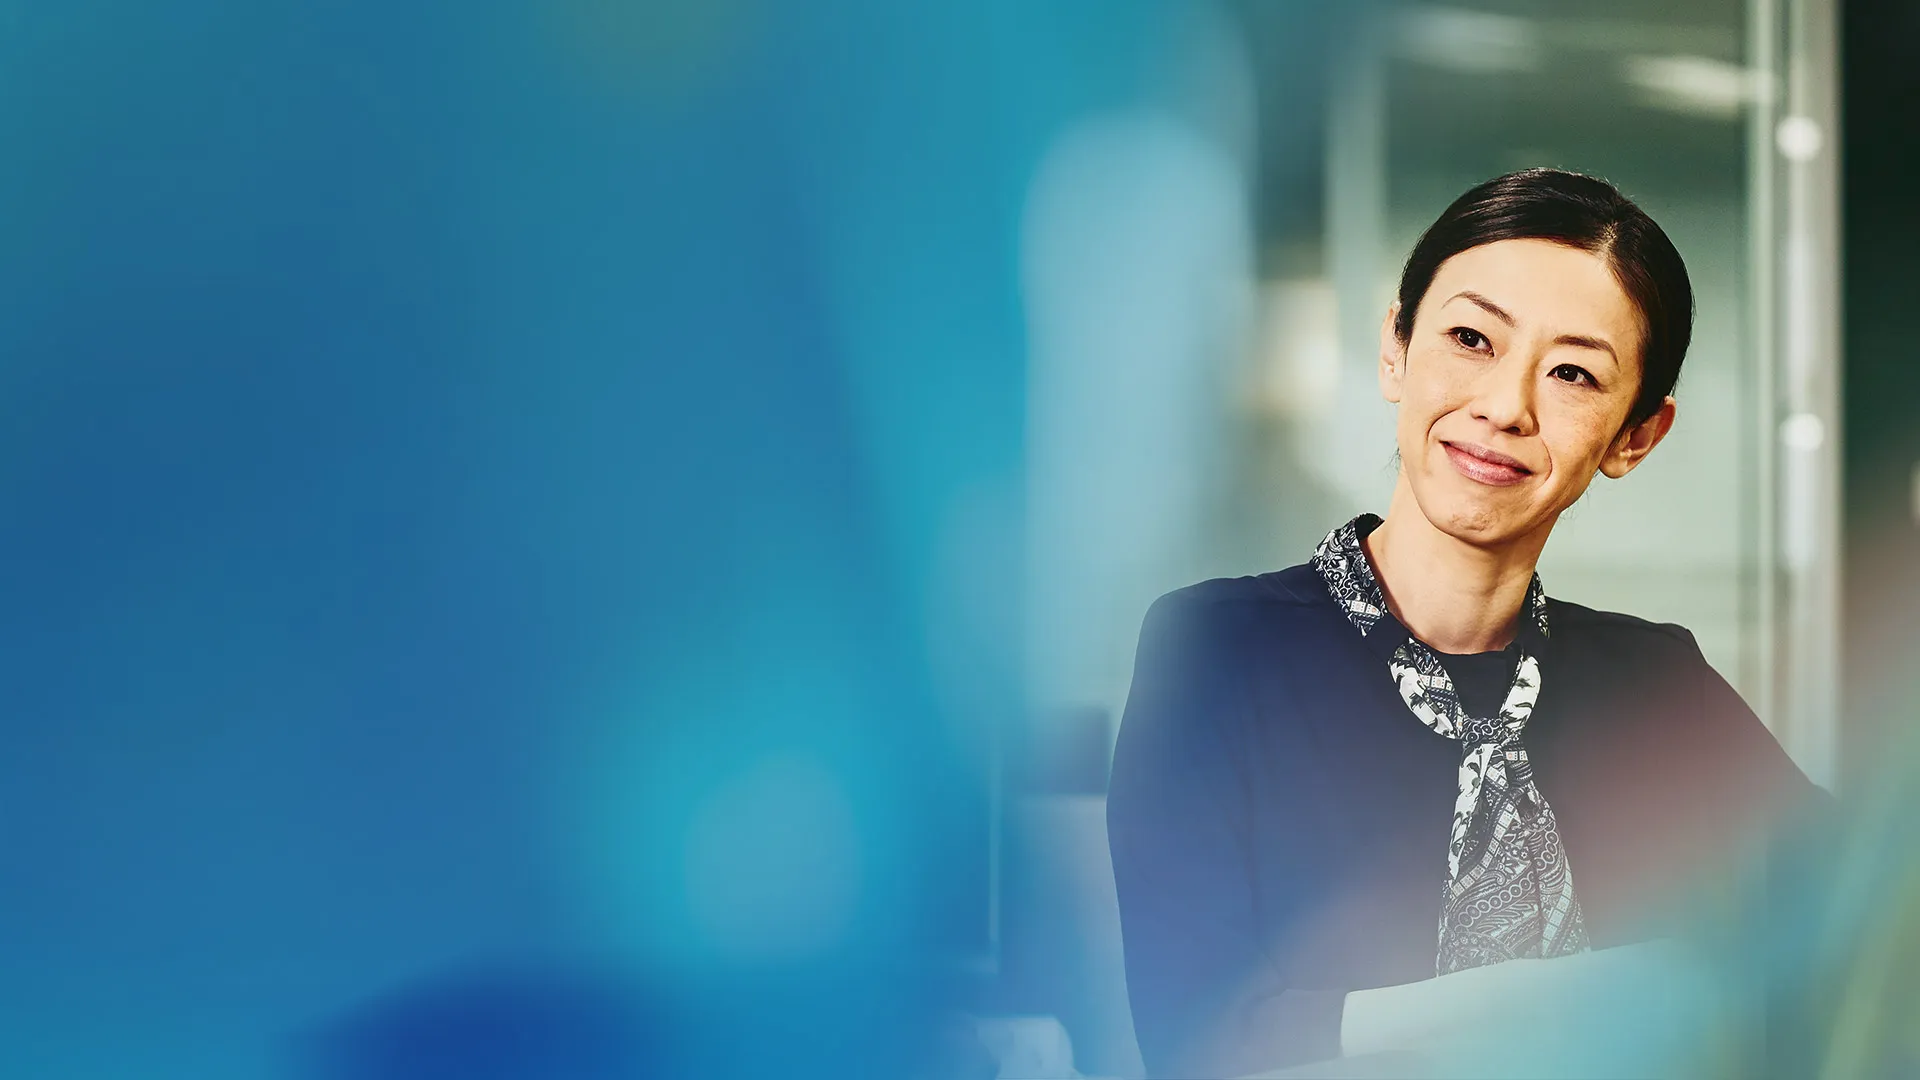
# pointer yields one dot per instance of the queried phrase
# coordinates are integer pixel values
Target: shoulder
(1649, 673)
(1656, 701)
(1279, 602)
(1615, 633)
(1208, 654)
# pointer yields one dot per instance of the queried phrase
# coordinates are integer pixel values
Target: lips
(1486, 466)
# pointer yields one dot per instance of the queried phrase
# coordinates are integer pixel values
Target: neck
(1455, 596)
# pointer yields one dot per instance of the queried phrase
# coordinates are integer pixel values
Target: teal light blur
(511, 504)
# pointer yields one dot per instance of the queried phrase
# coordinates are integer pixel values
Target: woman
(1402, 760)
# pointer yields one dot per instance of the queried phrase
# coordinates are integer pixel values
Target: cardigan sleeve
(1207, 996)
(1756, 788)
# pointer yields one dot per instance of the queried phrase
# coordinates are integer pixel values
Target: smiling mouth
(1479, 464)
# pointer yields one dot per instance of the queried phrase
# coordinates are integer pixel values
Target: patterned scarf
(1509, 890)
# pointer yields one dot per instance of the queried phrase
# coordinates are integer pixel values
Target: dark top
(1278, 818)
(1481, 680)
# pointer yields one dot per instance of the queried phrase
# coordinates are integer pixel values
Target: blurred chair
(1060, 920)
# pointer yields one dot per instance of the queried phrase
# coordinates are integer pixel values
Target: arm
(1208, 999)
(1586, 996)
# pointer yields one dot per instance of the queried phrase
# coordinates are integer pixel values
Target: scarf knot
(1477, 730)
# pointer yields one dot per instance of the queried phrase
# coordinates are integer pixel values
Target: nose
(1503, 395)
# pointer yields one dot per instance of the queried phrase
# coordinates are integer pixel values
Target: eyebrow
(1581, 341)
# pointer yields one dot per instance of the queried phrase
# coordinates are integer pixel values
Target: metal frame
(1762, 592)
(1807, 309)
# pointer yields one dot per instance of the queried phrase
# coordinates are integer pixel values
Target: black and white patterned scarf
(1509, 889)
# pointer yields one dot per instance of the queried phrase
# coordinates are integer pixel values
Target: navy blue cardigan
(1278, 819)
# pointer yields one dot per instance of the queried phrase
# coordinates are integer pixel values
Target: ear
(1635, 443)
(1393, 356)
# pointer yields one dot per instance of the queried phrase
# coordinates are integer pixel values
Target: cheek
(1577, 439)
(1434, 386)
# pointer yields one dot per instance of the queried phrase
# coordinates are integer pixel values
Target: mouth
(1479, 464)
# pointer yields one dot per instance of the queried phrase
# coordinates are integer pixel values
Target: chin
(1477, 516)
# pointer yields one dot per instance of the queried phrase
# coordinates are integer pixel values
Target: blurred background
(606, 538)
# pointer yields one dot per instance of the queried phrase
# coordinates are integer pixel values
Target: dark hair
(1582, 212)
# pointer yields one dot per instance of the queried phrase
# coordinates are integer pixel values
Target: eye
(1573, 373)
(1470, 339)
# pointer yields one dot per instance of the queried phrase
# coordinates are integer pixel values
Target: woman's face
(1522, 366)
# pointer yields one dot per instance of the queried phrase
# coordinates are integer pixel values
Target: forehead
(1543, 285)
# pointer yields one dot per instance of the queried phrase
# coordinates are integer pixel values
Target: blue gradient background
(445, 445)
